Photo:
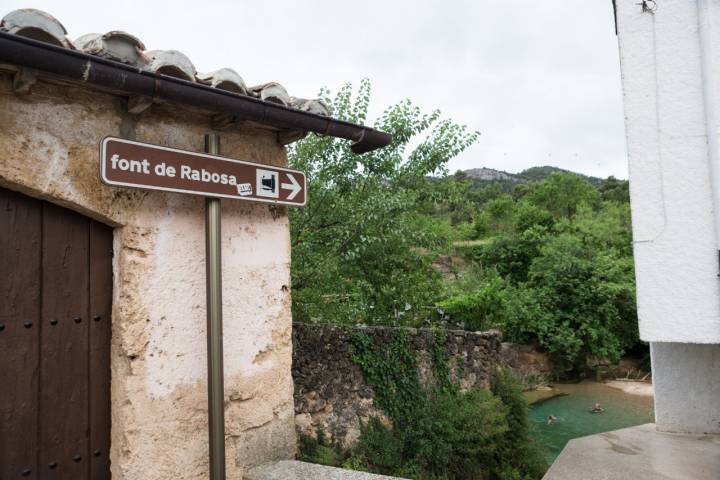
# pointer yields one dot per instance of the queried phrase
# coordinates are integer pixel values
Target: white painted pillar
(686, 377)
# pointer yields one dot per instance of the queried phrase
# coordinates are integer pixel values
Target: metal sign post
(213, 279)
(126, 163)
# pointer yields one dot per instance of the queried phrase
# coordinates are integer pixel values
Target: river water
(574, 418)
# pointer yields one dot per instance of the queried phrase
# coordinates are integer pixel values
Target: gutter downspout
(710, 100)
(84, 68)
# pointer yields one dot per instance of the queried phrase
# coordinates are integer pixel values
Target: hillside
(485, 176)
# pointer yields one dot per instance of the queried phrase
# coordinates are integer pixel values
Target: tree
(356, 254)
(511, 255)
(446, 196)
(563, 254)
(527, 215)
(615, 190)
(562, 194)
(500, 213)
(587, 302)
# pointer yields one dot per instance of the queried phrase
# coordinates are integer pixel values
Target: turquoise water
(575, 420)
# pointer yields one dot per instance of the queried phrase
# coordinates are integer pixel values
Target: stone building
(102, 289)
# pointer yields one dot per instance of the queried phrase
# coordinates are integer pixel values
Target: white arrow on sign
(294, 186)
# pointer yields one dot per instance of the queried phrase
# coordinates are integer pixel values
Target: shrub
(439, 433)
(528, 215)
(319, 450)
(500, 213)
(518, 441)
(512, 255)
(453, 436)
(479, 309)
(379, 448)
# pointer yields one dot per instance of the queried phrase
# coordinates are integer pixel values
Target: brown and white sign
(133, 164)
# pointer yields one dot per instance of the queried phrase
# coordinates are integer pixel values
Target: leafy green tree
(453, 436)
(586, 302)
(456, 436)
(356, 256)
(562, 193)
(522, 190)
(526, 215)
(615, 190)
(608, 228)
(482, 195)
(500, 213)
(512, 255)
(448, 197)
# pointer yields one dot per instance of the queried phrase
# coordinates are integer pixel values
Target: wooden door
(55, 304)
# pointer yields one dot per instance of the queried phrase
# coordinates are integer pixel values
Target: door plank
(100, 330)
(64, 428)
(20, 240)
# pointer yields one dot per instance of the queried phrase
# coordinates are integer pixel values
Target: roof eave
(88, 69)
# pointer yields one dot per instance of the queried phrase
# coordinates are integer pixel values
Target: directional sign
(133, 164)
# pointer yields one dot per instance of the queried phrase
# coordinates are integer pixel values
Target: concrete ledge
(295, 470)
(639, 453)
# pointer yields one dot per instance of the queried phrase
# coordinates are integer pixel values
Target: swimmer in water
(597, 408)
(551, 419)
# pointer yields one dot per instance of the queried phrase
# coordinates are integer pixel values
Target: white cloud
(539, 79)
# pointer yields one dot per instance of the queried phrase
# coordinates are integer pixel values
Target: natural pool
(575, 420)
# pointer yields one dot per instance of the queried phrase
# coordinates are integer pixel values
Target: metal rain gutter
(88, 69)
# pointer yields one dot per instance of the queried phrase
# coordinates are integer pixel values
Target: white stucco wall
(670, 77)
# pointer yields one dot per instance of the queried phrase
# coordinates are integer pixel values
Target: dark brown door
(55, 304)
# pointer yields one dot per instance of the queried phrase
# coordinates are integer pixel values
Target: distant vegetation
(390, 238)
(551, 264)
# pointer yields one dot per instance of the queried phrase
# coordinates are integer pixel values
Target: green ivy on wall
(437, 431)
(440, 365)
(391, 371)
(390, 368)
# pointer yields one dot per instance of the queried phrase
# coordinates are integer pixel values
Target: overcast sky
(539, 79)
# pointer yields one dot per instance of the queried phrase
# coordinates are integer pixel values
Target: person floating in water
(597, 408)
(551, 419)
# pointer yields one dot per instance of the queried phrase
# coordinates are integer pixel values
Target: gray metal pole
(213, 279)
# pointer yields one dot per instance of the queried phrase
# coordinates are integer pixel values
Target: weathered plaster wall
(669, 94)
(331, 392)
(49, 149)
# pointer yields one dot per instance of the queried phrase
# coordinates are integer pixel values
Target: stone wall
(526, 359)
(331, 392)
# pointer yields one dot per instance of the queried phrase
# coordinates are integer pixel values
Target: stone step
(296, 470)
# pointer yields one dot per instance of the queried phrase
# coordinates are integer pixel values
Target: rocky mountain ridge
(533, 174)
